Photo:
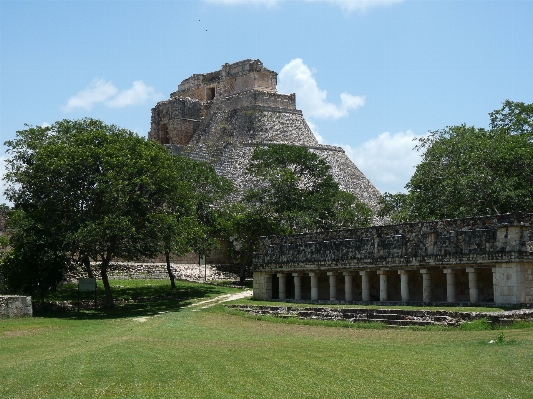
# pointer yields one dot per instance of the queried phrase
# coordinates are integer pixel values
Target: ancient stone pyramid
(221, 116)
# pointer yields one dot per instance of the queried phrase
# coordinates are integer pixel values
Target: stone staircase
(389, 317)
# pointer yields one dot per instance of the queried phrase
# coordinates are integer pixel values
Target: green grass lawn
(187, 352)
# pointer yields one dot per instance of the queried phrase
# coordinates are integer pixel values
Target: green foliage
(37, 260)
(294, 192)
(469, 171)
(477, 325)
(99, 191)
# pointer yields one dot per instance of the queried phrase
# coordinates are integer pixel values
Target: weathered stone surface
(485, 259)
(144, 271)
(220, 117)
(391, 317)
(15, 306)
(468, 241)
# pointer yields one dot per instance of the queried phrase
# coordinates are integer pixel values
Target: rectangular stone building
(485, 259)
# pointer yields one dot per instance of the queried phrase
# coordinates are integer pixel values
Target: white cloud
(360, 5)
(388, 160)
(346, 5)
(138, 94)
(296, 77)
(100, 91)
(314, 129)
(45, 124)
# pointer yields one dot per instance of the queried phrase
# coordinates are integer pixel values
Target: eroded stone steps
(396, 317)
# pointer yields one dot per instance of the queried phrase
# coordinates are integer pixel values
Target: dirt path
(219, 299)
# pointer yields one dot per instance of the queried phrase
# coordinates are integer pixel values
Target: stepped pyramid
(221, 116)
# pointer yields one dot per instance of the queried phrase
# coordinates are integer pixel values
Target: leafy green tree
(99, 190)
(294, 191)
(468, 171)
(192, 224)
(37, 261)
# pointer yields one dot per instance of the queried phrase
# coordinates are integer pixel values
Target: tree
(469, 171)
(193, 225)
(100, 191)
(294, 192)
(37, 260)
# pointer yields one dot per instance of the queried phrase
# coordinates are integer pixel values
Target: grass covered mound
(170, 350)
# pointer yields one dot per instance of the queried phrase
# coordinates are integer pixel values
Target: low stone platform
(390, 317)
(15, 306)
(158, 271)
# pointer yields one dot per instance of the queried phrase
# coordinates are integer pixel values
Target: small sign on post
(86, 284)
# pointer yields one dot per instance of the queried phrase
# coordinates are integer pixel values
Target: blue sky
(369, 75)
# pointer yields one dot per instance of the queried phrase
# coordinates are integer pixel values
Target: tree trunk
(87, 263)
(109, 303)
(169, 270)
(242, 274)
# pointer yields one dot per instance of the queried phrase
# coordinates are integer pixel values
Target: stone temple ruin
(221, 116)
(485, 259)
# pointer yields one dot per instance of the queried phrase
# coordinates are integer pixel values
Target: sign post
(86, 284)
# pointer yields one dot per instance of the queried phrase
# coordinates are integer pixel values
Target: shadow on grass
(134, 299)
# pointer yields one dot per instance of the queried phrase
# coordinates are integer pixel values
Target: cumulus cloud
(268, 3)
(314, 129)
(100, 91)
(360, 5)
(138, 94)
(346, 5)
(388, 160)
(297, 77)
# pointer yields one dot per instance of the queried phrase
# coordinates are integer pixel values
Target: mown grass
(133, 298)
(212, 353)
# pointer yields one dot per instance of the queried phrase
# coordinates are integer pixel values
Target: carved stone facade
(481, 259)
(220, 117)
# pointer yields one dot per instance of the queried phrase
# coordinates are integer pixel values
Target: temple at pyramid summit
(221, 116)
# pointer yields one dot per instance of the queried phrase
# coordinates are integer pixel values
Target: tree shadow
(141, 301)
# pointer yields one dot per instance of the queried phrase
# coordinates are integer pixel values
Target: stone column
(314, 286)
(348, 286)
(268, 287)
(332, 286)
(383, 292)
(472, 284)
(297, 285)
(450, 284)
(282, 286)
(404, 288)
(426, 285)
(365, 275)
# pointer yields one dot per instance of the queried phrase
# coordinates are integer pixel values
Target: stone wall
(255, 99)
(489, 239)
(230, 79)
(158, 271)
(15, 306)
(174, 121)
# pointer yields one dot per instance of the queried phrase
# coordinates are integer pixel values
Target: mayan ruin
(221, 116)
(471, 260)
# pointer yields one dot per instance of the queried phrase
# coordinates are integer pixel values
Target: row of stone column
(383, 286)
